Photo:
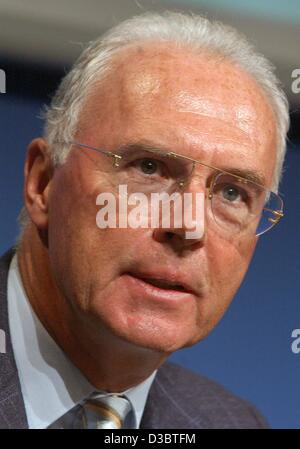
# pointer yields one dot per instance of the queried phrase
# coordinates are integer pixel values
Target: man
(161, 103)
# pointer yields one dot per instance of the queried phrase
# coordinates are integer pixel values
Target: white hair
(187, 31)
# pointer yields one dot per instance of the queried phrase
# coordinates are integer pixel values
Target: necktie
(105, 412)
(99, 411)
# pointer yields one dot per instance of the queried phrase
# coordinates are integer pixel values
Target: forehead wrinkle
(210, 107)
(237, 132)
(193, 133)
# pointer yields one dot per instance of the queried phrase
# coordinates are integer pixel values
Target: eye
(148, 166)
(231, 193)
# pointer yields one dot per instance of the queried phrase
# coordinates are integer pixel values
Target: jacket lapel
(12, 409)
(169, 404)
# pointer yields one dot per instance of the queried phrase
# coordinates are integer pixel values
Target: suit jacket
(178, 398)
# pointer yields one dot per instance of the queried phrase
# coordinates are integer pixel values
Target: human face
(194, 104)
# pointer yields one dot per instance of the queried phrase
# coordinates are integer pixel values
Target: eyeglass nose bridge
(117, 159)
(183, 182)
(208, 190)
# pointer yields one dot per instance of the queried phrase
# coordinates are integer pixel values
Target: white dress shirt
(51, 385)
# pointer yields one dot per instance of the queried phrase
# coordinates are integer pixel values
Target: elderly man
(162, 103)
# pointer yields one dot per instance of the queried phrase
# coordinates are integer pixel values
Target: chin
(164, 331)
(161, 340)
(171, 340)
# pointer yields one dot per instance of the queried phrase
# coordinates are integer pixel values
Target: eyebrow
(251, 175)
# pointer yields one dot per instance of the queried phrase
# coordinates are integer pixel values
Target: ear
(38, 172)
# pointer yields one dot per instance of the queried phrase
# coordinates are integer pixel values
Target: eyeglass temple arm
(99, 150)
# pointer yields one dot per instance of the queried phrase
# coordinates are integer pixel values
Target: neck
(108, 362)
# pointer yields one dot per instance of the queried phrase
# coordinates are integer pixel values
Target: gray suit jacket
(178, 398)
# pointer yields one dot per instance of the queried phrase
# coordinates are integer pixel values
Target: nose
(186, 229)
(176, 239)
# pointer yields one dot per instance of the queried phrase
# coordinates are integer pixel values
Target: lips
(166, 285)
(167, 282)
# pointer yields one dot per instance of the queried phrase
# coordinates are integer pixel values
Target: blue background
(249, 352)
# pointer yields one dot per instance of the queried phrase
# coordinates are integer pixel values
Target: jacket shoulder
(12, 409)
(184, 399)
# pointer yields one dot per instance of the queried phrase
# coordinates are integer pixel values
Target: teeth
(165, 284)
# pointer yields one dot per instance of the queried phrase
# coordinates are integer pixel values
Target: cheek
(82, 256)
(72, 234)
(228, 263)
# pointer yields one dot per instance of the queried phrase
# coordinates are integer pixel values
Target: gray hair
(188, 31)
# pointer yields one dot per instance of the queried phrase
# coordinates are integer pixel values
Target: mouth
(165, 285)
(168, 286)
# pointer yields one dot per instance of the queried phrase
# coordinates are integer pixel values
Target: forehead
(186, 96)
(158, 72)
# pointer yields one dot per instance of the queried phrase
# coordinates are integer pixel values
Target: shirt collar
(51, 384)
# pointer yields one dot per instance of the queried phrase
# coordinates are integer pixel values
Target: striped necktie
(105, 412)
(98, 411)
